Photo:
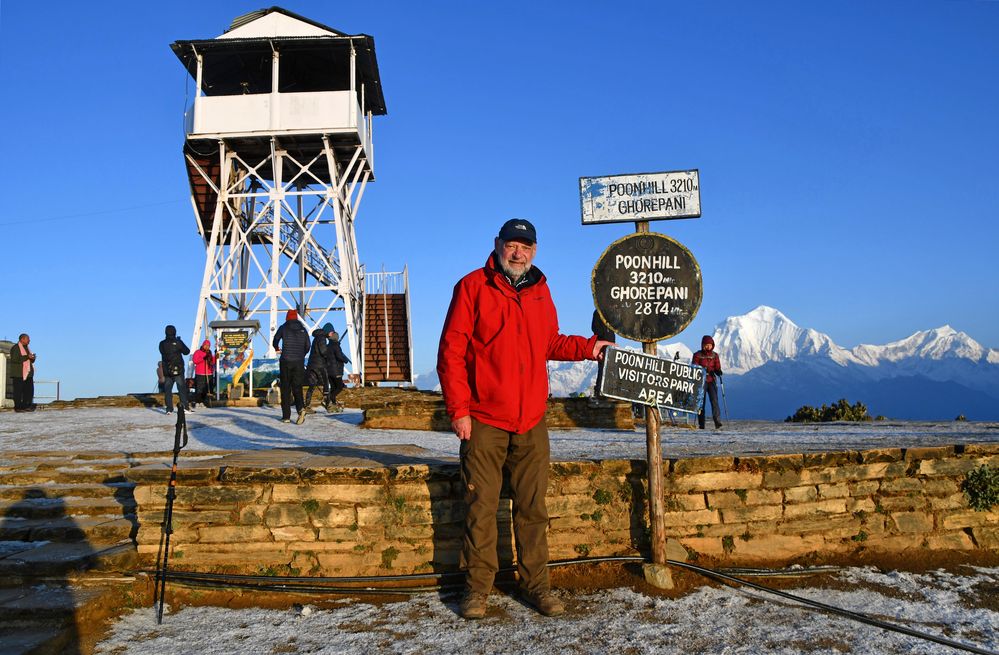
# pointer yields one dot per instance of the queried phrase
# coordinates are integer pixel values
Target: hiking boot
(473, 605)
(301, 418)
(545, 602)
(286, 420)
(718, 426)
(308, 410)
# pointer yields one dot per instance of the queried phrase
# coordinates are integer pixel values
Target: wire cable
(302, 584)
(856, 616)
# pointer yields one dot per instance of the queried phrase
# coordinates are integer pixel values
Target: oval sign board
(647, 287)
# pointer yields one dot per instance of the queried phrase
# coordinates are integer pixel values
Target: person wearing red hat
(708, 358)
(292, 341)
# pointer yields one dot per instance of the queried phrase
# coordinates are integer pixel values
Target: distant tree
(842, 410)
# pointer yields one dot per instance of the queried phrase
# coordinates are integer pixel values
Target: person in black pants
(22, 372)
(316, 371)
(708, 358)
(172, 353)
(292, 341)
(335, 359)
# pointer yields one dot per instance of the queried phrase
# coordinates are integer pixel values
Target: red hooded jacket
(204, 362)
(492, 359)
(708, 359)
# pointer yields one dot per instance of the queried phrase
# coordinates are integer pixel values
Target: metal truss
(282, 237)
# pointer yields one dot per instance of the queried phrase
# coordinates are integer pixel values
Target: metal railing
(382, 283)
(57, 389)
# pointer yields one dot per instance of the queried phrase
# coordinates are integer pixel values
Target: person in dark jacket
(708, 358)
(335, 359)
(292, 341)
(316, 371)
(22, 371)
(172, 353)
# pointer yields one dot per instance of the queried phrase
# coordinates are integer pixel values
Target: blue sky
(848, 154)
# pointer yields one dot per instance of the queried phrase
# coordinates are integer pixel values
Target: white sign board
(652, 380)
(640, 197)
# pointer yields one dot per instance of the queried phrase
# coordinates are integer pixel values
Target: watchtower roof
(278, 29)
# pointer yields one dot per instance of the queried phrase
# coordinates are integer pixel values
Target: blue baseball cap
(518, 228)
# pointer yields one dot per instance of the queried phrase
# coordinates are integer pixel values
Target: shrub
(982, 488)
(842, 410)
(602, 496)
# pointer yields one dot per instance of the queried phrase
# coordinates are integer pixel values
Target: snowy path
(143, 430)
(713, 621)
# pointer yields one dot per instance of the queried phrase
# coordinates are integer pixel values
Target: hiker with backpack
(172, 353)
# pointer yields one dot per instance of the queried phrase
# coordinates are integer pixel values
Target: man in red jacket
(500, 331)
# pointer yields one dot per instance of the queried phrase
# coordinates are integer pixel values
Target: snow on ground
(239, 428)
(710, 620)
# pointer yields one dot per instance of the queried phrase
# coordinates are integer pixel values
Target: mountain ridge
(771, 365)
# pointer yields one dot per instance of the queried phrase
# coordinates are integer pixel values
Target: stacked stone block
(770, 510)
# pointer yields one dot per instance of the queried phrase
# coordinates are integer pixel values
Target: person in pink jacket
(204, 368)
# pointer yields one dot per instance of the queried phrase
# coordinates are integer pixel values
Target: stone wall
(772, 510)
(425, 411)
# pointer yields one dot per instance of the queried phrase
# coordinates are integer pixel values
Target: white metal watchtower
(279, 151)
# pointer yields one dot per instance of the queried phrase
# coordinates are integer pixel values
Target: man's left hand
(598, 349)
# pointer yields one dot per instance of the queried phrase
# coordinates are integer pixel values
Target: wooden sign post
(646, 287)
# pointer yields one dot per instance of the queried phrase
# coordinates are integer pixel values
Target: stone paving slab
(62, 490)
(67, 558)
(13, 547)
(65, 506)
(31, 639)
(51, 602)
(94, 529)
(288, 465)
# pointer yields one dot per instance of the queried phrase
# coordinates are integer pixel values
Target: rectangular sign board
(651, 380)
(233, 346)
(640, 197)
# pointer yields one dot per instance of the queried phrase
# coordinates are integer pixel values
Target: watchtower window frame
(216, 64)
(244, 72)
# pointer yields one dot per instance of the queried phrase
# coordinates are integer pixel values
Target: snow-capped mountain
(773, 366)
(766, 335)
(780, 366)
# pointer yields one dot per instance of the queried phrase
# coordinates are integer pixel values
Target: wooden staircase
(386, 338)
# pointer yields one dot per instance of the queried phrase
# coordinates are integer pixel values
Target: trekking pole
(724, 400)
(179, 442)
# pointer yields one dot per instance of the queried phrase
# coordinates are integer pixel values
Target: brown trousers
(483, 458)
